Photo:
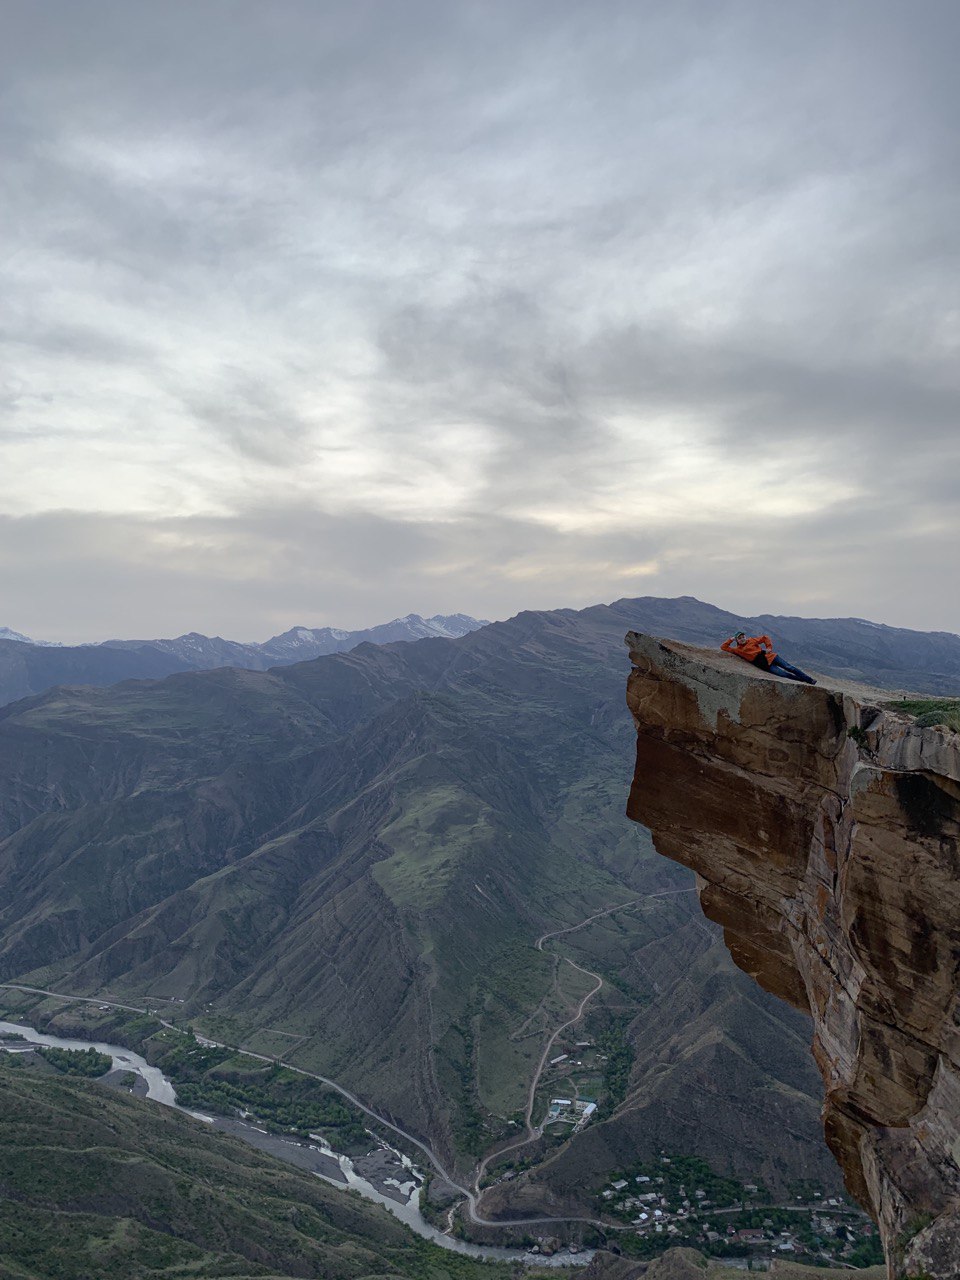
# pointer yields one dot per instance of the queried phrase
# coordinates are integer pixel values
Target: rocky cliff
(824, 830)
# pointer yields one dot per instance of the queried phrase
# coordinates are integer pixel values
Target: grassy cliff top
(930, 711)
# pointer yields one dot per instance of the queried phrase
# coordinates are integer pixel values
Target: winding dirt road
(472, 1195)
(535, 1131)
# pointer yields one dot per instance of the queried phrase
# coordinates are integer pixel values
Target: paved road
(470, 1194)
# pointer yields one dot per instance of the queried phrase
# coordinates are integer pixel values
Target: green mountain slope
(95, 1184)
(362, 851)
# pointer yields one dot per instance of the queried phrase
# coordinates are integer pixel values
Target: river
(159, 1087)
(340, 1169)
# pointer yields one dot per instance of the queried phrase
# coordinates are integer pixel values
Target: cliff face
(825, 834)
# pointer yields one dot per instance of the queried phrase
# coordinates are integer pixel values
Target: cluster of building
(655, 1208)
(575, 1111)
(576, 1071)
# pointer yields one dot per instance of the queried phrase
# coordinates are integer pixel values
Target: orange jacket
(749, 648)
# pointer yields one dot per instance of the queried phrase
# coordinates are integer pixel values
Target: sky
(320, 313)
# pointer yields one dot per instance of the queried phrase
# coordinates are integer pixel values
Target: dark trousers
(778, 667)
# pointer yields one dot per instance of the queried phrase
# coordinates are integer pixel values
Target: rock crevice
(825, 831)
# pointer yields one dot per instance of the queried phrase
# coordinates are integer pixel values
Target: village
(679, 1200)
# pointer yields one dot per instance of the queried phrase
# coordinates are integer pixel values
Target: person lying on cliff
(758, 650)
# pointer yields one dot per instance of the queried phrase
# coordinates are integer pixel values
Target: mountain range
(28, 666)
(362, 850)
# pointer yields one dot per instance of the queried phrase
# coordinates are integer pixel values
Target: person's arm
(729, 645)
(767, 641)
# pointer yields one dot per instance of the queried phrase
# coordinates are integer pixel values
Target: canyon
(823, 826)
(350, 860)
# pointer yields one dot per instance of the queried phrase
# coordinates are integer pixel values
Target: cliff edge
(825, 831)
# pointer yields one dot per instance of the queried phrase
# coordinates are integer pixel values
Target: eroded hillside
(350, 861)
(825, 831)
(95, 1183)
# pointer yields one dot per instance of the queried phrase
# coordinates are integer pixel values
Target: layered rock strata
(825, 830)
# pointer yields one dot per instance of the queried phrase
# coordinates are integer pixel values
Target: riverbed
(399, 1181)
(159, 1088)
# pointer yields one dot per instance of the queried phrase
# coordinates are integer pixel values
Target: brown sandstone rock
(832, 863)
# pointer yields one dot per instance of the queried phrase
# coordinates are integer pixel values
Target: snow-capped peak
(446, 626)
(7, 634)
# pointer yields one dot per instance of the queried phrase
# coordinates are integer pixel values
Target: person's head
(740, 637)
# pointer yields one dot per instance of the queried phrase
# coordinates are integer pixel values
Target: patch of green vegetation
(919, 1222)
(510, 1034)
(143, 1025)
(930, 711)
(281, 1100)
(220, 1027)
(645, 1247)
(435, 830)
(614, 1044)
(75, 1246)
(76, 1062)
(97, 1184)
(457, 1054)
(867, 1253)
(87, 1022)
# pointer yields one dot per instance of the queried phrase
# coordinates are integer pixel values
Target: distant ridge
(29, 667)
(892, 657)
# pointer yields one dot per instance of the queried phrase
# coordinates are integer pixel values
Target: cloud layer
(315, 314)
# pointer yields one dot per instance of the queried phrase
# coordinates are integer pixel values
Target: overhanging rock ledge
(824, 830)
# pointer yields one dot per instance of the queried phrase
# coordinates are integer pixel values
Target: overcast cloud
(323, 312)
